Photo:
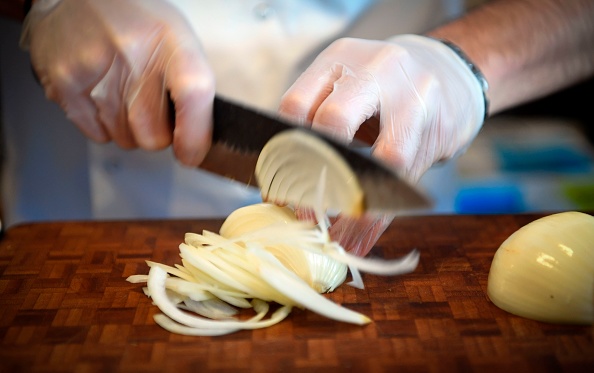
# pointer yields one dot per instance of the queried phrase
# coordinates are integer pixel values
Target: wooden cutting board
(65, 306)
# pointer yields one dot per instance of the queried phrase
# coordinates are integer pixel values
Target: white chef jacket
(256, 49)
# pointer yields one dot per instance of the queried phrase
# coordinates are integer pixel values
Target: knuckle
(389, 53)
(335, 114)
(397, 156)
(125, 143)
(196, 85)
(342, 44)
(155, 143)
(294, 103)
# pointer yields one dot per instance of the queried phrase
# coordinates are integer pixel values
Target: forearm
(526, 48)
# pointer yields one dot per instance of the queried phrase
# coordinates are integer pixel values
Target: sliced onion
(212, 308)
(307, 297)
(289, 167)
(156, 286)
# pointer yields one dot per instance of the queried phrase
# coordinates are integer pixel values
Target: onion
(289, 167)
(263, 253)
(545, 270)
(271, 226)
(267, 256)
(201, 326)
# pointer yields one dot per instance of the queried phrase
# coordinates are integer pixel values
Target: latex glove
(428, 102)
(355, 235)
(358, 236)
(112, 66)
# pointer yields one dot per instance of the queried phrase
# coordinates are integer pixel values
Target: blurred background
(538, 157)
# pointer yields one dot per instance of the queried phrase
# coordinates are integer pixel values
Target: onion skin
(545, 270)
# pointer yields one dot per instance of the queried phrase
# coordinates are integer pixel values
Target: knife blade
(240, 133)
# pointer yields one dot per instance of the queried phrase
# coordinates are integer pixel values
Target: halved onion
(545, 270)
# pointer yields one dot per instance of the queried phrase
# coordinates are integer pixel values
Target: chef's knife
(240, 133)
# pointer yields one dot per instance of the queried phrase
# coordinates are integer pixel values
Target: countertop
(65, 306)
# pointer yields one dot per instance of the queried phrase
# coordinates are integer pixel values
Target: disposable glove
(355, 235)
(358, 236)
(429, 103)
(114, 66)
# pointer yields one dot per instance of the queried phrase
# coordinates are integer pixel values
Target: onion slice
(300, 293)
(156, 285)
(289, 167)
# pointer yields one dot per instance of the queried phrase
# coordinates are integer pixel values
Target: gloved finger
(77, 105)
(358, 236)
(82, 112)
(67, 85)
(404, 124)
(355, 235)
(400, 138)
(353, 100)
(111, 112)
(301, 101)
(147, 106)
(400, 145)
(191, 85)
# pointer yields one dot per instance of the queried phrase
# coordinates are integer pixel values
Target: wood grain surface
(65, 306)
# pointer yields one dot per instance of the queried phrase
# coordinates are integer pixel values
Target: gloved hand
(428, 102)
(358, 236)
(114, 65)
(355, 235)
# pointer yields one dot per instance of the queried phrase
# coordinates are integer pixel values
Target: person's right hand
(114, 65)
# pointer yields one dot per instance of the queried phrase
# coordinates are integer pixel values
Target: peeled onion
(545, 270)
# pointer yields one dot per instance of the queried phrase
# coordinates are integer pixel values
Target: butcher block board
(65, 306)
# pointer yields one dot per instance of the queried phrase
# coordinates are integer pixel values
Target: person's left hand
(428, 102)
